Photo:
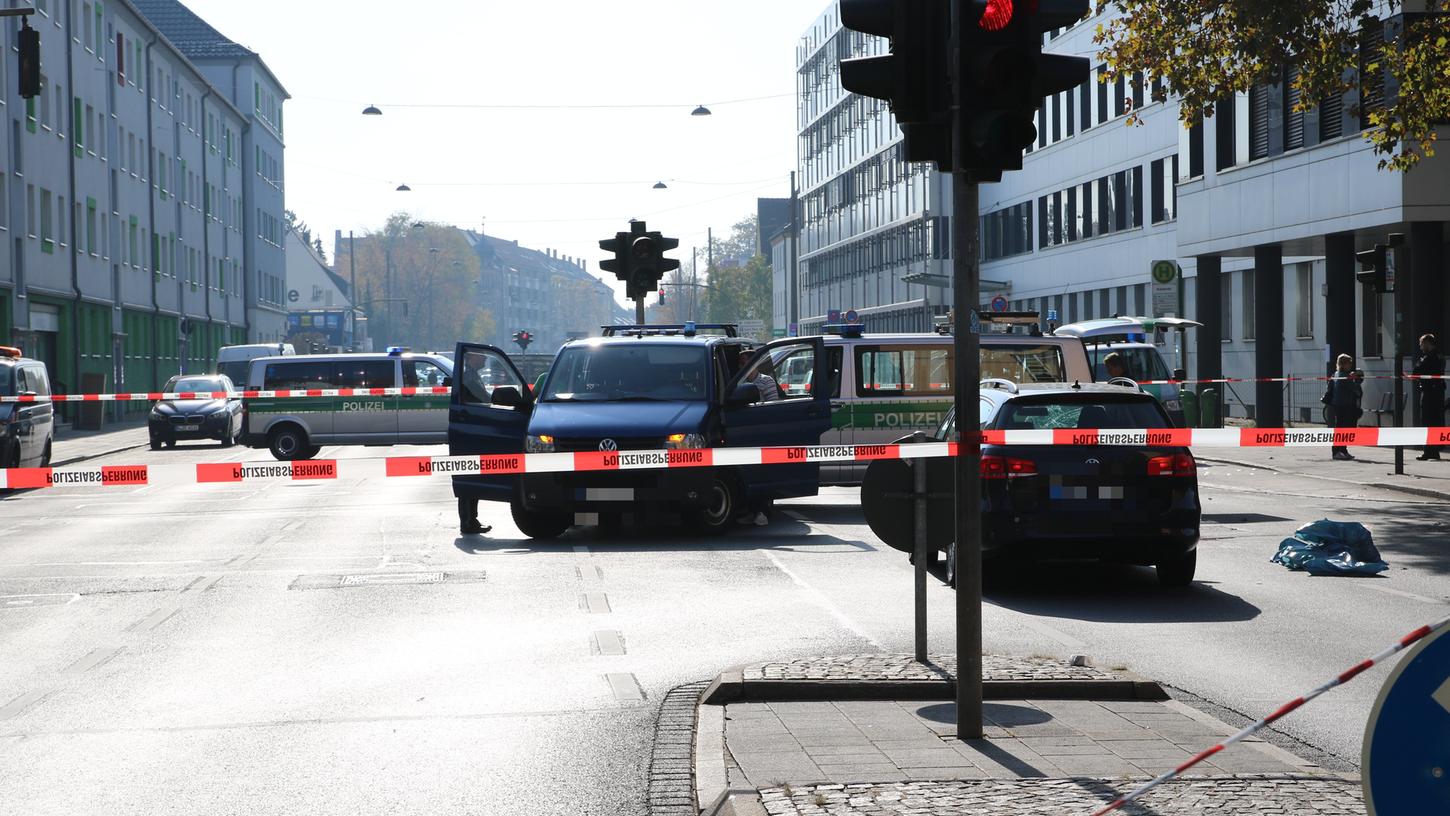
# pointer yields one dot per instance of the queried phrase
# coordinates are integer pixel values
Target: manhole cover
(391, 578)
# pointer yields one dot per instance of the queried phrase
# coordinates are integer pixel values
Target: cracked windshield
(551, 409)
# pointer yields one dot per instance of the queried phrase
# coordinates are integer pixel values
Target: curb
(1423, 492)
(117, 447)
(731, 687)
(671, 777)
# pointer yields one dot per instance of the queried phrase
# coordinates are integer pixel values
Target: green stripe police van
(886, 386)
(297, 427)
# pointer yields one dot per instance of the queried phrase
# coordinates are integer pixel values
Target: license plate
(609, 494)
(188, 427)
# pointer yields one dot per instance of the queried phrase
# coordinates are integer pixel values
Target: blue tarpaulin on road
(1327, 547)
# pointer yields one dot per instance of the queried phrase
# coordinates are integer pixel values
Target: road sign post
(1406, 754)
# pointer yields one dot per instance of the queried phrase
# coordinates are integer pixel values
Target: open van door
(488, 413)
(771, 402)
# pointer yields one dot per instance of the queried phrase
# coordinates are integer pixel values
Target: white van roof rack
(999, 384)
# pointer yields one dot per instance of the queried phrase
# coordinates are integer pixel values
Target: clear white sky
(337, 57)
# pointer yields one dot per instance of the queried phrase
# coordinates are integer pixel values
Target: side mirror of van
(447, 382)
(1180, 374)
(507, 396)
(745, 393)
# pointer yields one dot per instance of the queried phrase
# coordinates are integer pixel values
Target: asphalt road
(336, 647)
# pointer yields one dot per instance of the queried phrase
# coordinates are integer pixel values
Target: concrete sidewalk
(1371, 467)
(1052, 752)
(71, 446)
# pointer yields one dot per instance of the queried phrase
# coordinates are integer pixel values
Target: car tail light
(1002, 467)
(1177, 465)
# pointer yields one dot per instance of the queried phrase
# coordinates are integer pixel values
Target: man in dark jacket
(1343, 396)
(1431, 392)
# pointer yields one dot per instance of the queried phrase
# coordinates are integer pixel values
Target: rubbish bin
(1208, 409)
(1190, 409)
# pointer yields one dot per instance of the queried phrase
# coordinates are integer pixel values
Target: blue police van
(642, 388)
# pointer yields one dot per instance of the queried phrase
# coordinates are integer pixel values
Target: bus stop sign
(1406, 762)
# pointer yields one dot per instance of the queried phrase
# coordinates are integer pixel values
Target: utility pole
(793, 312)
(352, 285)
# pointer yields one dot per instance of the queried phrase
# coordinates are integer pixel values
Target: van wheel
(538, 526)
(1178, 572)
(722, 505)
(289, 442)
(156, 444)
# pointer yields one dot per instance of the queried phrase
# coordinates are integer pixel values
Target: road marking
(1403, 594)
(28, 601)
(595, 574)
(580, 549)
(625, 687)
(97, 657)
(595, 603)
(607, 642)
(823, 602)
(19, 704)
(153, 620)
(203, 583)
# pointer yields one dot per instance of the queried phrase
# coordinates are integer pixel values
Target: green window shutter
(30, 114)
(78, 124)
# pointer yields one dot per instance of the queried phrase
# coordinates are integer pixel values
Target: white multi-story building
(124, 201)
(1262, 207)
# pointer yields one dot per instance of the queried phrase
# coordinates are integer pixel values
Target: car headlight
(543, 443)
(156, 413)
(681, 441)
(1173, 405)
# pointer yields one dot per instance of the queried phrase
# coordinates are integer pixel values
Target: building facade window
(1007, 232)
(1226, 306)
(1304, 300)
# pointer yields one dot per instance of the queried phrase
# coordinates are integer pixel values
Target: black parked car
(26, 428)
(206, 417)
(1134, 504)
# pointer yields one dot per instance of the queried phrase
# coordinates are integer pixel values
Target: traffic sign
(833, 316)
(1406, 757)
(886, 498)
(852, 316)
(1166, 300)
(999, 304)
(752, 328)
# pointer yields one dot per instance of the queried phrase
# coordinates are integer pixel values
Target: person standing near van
(1431, 391)
(1343, 398)
(1116, 366)
(468, 523)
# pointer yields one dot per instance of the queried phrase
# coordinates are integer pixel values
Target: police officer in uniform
(1431, 392)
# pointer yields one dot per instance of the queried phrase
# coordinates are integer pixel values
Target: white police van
(297, 427)
(886, 386)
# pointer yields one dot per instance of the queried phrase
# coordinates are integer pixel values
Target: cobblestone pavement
(672, 762)
(885, 741)
(868, 667)
(1236, 795)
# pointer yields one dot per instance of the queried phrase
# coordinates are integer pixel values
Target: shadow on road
(1109, 593)
(783, 536)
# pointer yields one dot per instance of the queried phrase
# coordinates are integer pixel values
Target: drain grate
(391, 578)
(385, 579)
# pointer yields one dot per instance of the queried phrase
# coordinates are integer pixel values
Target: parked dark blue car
(641, 389)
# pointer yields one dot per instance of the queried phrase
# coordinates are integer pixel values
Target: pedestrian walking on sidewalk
(1431, 392)
(1342, 396)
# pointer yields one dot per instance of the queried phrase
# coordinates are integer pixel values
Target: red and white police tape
(438, 390)
(582, 461)
(1403, 643)
(292, 393)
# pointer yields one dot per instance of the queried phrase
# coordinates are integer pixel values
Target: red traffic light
(998, 14)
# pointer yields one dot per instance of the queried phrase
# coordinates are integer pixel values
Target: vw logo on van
(609, 445)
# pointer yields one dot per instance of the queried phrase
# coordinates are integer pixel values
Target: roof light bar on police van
(667, 329)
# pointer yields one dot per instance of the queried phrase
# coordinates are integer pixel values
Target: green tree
(739, 280)
(1205, 50)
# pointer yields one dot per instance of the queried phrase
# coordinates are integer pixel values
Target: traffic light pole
(639, 311)
(966, 286)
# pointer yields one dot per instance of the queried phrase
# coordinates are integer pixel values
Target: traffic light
(28, 44)
(523, 339)
(1377, 262)
(662, 297)
(1003, 77)
(914, 77)
(639, 258)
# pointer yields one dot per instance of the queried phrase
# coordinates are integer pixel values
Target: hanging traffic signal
(639, 258)
(523, 339)
(662, 297)
(1003, 77)
(28, 44)
(618, 245)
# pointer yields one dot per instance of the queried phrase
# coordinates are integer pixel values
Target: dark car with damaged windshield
(656, 394)
(213, 411)
(1136, 503)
